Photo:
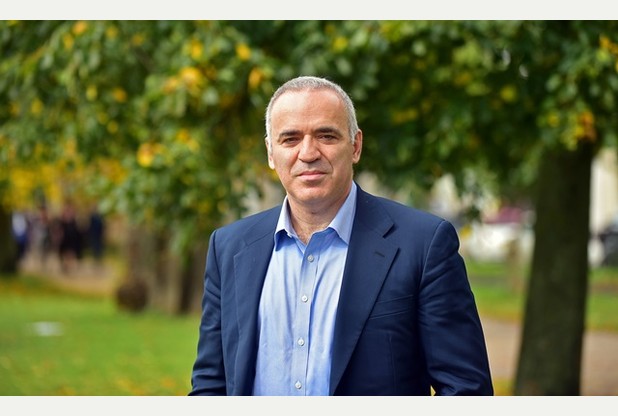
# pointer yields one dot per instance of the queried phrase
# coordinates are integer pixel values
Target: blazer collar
(369, 258)
(250, 266)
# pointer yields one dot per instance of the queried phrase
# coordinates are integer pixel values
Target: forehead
(320, 103)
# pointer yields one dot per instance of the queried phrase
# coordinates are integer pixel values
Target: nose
(309, 151)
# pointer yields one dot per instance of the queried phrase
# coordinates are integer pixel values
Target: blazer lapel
(250, 266)
(368, 261)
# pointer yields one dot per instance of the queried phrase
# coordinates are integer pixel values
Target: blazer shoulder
(250, 227)
(402, 214)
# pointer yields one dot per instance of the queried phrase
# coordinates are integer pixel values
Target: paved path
(600, 361)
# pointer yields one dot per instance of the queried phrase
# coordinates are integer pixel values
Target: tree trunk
(551, 349)
(8, 247)
(170, 282)
(192, 282)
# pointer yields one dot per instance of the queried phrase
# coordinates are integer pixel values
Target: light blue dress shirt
(298, 306)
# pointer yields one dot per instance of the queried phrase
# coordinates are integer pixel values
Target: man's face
(311, 149)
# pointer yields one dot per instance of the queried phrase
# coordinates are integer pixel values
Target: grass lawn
(500, 294)
(55, 343)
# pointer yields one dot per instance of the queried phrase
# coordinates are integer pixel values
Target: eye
(289, 141)
(327, 137)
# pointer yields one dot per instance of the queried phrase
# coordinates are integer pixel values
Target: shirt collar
(342, 223)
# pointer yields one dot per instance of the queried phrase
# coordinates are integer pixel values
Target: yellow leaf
(70, 148)
(508, 93)
(36, 107)
(462, 78)
(340, 43)
(14, 109)
(191, 76)
(243, 51)
(111, 32)
(196, 49)
(119, 95)
(183, 135)
(67, 41)
(404, 116)
(145, 155)
(79, 27)
(91, 92)
(137, 39)
(112, 127)
(553, 119)
(585, 129)
(147, 152)
(170, 85)
(255, 78)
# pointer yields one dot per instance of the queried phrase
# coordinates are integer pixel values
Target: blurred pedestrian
(96, 234)
(21, 230)
(42, 234)
(70, 248)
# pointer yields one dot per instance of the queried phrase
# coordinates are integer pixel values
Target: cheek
(343, 162)
(280, 161)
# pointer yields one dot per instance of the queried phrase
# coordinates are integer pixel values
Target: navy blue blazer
(406, 322)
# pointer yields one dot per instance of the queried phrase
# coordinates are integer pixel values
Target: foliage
(168, 115)
(482, 99)
(158, 111)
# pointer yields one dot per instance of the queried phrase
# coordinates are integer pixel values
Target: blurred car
(609, 241)
(494, 239)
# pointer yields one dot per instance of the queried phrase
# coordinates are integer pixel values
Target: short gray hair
(313, 83)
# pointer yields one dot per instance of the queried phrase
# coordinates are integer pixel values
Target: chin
(311, 195)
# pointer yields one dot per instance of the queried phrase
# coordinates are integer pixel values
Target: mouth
(311, 175)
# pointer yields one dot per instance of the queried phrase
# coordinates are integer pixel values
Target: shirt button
(310, 258)
(304, 298)
(298, 385)
(301, 342)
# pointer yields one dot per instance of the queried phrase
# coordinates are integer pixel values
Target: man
(336, 292)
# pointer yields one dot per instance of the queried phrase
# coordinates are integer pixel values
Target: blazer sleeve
(208, 376)
(449, 324)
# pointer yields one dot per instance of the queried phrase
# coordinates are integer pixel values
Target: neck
(308, 219)
(305, 226)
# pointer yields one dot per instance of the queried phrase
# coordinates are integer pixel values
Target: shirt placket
(302, 321)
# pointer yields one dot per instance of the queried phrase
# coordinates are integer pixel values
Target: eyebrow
(326, 129)
(329, 130)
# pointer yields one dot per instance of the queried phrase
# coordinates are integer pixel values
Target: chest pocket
(392, 307)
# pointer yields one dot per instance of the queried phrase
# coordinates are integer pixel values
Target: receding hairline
(309, 84)
(299, 91)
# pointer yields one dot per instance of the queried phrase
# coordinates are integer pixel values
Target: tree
(177, 109)
(169, 115)
(157, 109)
(528, 103)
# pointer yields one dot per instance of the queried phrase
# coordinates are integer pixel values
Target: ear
(271, 163)
(358, 146)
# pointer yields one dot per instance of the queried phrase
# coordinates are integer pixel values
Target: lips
(313, 174)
